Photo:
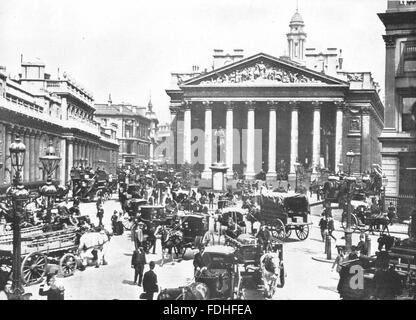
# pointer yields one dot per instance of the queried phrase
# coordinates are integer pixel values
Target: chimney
(340, 59)
(109, 99)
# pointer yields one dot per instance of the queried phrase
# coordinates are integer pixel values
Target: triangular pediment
(262, 69)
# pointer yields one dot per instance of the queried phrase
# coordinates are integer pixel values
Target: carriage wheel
(68, 264)
(33, 268)
(302, 232)
(278, 230)
(354, 222)
(127, 224)
(288, 231)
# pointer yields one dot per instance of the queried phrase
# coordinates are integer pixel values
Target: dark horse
(170, 239)
(195, 291)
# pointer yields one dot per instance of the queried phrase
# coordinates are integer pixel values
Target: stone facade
(40, 109)
(135, 129)
(273, 109)
(398, 137)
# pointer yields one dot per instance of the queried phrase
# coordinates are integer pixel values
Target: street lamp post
(350, 181)
(50, 162)
(19, 197)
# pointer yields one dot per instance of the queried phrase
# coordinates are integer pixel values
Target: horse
(194, 291)
(170, 239)
(92, 247)
(272, 269)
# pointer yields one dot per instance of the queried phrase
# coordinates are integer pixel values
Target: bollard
(368, 244)
(328, 248)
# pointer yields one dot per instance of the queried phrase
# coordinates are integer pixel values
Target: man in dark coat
(138, 261)
(51, 289)
(150, 282)
(198, 262)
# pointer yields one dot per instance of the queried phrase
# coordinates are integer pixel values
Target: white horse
(271, 271)
(93, 247)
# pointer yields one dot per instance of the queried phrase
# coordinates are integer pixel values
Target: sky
(129, 47)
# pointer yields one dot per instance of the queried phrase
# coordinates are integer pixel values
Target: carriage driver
(199, 264)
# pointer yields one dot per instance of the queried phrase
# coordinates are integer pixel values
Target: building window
(408, 63)
(408, 124)
(129, 147)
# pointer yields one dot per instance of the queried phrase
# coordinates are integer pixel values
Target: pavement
(307, 279)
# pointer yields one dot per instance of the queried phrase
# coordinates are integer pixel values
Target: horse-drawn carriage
(87, 185)
(285, 212)
(390, 275)
(365, 218)
(41, 248)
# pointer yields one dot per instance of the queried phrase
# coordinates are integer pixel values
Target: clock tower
(296, 38)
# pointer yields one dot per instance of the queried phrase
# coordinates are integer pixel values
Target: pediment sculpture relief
(261, 73)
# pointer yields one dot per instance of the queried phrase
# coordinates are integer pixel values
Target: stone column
(187, 134)
(250, 174)
(7, 164)
(229, 147)
(294, 134)
(38, 171)
(366, 140)
(26, 166)
(338, 135)
(70, 157)
(207, 174)
(390, 88)
(271, 174)
(62, 163)
(33, 161)
(316, 136)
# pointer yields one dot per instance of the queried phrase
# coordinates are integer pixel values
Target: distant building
(398, 137)
(40, 109)
(135, 129)
(303, 108)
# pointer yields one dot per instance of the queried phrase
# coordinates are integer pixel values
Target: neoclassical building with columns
(300, 108)
(39, 109)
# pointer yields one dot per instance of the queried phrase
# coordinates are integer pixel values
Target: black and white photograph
(207, 150)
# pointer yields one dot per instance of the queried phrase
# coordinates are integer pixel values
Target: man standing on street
(138, 261)
(150, 282)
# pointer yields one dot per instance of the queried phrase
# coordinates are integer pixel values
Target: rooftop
(119, 109)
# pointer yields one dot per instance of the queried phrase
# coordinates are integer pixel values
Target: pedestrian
(150, 285)
(323, 225)
(122, 196)
(391, 212)
(331, 227)
(353, 254)
(6, 288)
(138, 261)
(339, 259)
(51, 289)
(100, 215)
(114, 219)
(211, 197)
(361, 246)
(100, 201)
(288, 187)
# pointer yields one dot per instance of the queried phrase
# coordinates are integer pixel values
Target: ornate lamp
(17, 154)
(50, 160)
(19, 197)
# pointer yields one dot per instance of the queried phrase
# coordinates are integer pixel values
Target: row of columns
(294, 137)
(32, 169)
